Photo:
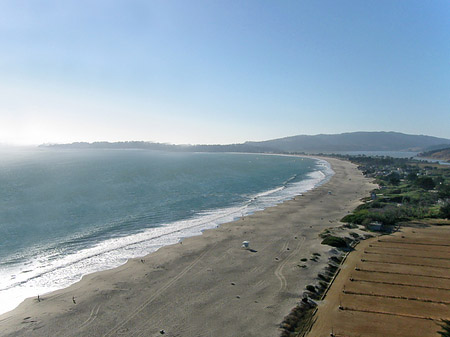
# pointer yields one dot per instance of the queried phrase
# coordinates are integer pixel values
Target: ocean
(68, 213)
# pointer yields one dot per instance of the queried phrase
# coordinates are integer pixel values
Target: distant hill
(161, 147)
(354, 141)
(440, 154)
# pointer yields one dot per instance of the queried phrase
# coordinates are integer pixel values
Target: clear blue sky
(221, 71)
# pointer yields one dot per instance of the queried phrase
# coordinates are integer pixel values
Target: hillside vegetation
(440, 154)
(408, 190)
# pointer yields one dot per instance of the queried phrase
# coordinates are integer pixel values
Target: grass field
(396, 285)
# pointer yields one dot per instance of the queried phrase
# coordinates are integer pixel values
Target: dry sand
(208, 285)
(401, 287)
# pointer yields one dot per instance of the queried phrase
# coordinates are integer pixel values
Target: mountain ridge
(321, 143)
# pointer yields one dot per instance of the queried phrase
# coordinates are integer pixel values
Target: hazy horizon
(220, 72)
(3, 145)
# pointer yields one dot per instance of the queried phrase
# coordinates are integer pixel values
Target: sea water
(67, 213)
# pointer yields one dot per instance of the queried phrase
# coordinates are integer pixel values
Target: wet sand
(208, 285)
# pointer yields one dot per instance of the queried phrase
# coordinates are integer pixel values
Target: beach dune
(207, 285)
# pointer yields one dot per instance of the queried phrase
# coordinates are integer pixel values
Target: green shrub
(393, 178)
(357, 217)
(336, 259)
(335, 241)
(349, 226)
(444, 191)
(445, 211)
(311, 288)
(326, 278)
(426, 183)
(325, 233)
(323, 285)
(412, 176)
(331, 268)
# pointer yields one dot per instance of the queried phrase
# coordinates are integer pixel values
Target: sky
(219, 72)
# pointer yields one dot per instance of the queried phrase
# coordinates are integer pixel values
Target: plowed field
(396, 285)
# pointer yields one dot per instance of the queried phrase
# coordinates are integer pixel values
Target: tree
(444, 191)
(445, 211)
(425, 182)
(412, 176)
(393, 178)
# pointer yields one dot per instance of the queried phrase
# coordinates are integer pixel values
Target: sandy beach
(207, 285)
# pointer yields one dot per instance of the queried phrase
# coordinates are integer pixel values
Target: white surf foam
(45, 274)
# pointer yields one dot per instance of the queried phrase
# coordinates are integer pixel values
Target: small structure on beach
(245, 244)
(375, 226)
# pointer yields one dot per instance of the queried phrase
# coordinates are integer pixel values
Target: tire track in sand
(279, 270)
(150, 299)
(92, 316)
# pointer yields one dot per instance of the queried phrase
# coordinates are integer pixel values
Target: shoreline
(206, 285)
(140, 244)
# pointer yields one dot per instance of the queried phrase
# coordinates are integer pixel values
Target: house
(375, 226)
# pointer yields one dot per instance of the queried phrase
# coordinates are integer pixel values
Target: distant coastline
(302, 144)
(439, 154)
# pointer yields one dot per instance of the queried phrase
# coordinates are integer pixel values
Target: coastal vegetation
(408, 190)
(440, 154)
(334, 241)
(300, 319)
